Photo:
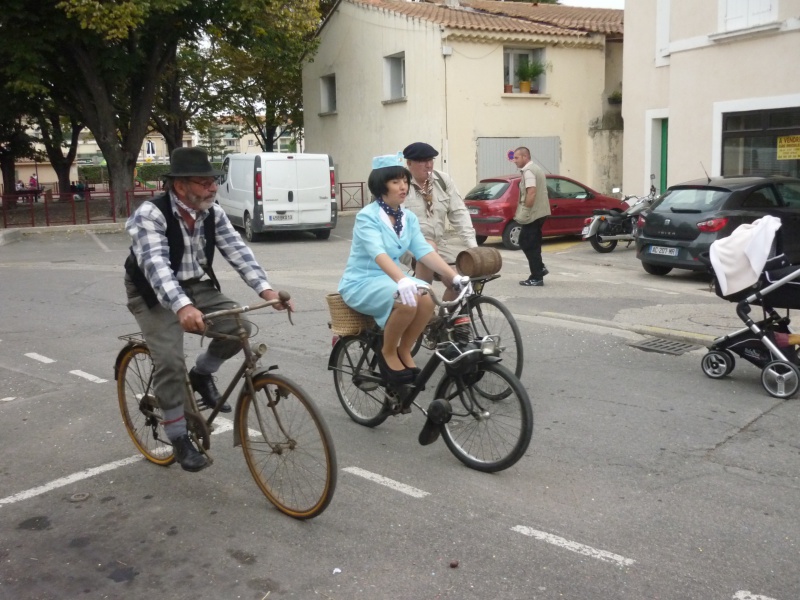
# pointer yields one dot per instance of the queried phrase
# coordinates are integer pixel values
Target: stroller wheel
(717, 363)
(780, 379)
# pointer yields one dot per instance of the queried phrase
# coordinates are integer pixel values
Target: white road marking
(90, 377)
(221, 426)
(745, 595)
(663, 291)
(39, 357)
(103, 247)
(9, 399)
(390, 483)
(574, 546)
(607, 281)
(47, 487)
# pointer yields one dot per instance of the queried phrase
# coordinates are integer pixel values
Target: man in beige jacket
(532, 210)
(433, 197)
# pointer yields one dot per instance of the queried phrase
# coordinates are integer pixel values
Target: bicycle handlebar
(283, 298)
(426, 288)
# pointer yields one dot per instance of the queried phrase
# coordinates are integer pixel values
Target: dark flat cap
(191, 162)
(419, 151)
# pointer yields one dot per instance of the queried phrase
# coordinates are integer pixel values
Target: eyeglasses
(206, 183)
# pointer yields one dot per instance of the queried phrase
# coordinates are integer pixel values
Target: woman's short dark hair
(379, 177)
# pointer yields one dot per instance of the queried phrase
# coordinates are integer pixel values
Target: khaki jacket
(447, 206)
(541, 204)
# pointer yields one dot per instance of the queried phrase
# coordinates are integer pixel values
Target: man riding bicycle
(170, 284)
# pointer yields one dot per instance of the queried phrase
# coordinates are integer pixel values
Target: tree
(58, 133)
(264, 84)
(14, 140)
(190, 87)
(104, 59)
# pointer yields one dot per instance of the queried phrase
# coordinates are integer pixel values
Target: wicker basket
(344, 320)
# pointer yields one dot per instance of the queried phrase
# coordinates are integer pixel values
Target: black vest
(175, 242)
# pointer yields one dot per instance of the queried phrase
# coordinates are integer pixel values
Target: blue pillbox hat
(388, 160)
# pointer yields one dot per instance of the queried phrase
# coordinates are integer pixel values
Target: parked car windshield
(487, 190)
(691, 200)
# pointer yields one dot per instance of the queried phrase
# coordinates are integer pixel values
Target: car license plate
(474, 211)
(280, 217)
(585, 230)
(663, 251)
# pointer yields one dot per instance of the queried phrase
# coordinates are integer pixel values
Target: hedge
(93, 174)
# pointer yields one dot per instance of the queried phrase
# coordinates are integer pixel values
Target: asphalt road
(644, 478)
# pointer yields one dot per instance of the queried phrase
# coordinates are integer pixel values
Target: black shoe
(545, 271)
(187, 455)
(414, 370)
(430, 433)
(391, 376)
(209, 396)
(532, 282)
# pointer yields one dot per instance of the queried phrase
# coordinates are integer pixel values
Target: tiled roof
(596, 20)
(467, 19)
(509, 17)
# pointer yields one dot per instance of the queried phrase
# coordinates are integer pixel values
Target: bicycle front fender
(237, 416)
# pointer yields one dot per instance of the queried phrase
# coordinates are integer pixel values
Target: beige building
(710, 85)
(391, 72)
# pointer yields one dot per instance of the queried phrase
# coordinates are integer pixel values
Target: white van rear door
(313, 195)
(278, 178)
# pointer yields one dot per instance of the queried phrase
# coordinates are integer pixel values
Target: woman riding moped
(375, 283)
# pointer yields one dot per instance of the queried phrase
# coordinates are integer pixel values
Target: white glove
(407, 291)
(459, 282)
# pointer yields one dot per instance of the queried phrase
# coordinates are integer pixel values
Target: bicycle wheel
(487, 434)
(490, 316)
(140, 411)
(287, 446)
(355, 368)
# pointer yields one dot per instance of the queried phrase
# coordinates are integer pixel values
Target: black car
(681, 224)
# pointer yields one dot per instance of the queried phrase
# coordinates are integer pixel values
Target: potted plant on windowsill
(615, 97)
(528, 74)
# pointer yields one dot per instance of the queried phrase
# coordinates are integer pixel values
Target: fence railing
(46, 209)
(351, 195)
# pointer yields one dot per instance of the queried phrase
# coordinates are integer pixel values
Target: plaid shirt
(148, 230)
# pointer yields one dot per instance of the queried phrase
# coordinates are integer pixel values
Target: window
(251, 142)
(513, 58)
(740, 14)
(761, 142)
(328, 93)
(395, 76)
(231, 143)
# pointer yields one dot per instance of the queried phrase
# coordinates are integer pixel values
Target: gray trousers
(164, 336)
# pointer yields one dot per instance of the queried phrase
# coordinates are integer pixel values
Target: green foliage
(529, 71)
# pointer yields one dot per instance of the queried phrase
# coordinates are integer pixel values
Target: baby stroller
(769, 343)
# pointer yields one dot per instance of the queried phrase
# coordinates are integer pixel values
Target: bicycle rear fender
(335, 350)
(125, 349)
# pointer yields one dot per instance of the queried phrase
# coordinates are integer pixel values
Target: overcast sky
(595, 3)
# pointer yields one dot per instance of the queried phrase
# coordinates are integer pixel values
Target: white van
(273, 191)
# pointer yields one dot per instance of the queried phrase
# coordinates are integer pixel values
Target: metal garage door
(493, 154)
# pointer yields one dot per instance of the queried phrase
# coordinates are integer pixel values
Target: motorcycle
(608, 226)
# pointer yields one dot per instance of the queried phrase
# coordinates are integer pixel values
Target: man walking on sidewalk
(532, 210)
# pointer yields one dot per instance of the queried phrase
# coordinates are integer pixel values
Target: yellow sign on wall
(789, 147)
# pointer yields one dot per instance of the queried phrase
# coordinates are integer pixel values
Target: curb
(699, 339)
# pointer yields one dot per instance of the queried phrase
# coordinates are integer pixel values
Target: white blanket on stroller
(739, 258)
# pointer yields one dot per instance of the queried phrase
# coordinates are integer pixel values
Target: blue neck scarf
(397, 213)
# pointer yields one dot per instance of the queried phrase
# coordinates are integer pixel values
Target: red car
(493, 202)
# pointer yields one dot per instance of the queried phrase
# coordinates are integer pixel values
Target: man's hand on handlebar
(269, 295)
(191, 319)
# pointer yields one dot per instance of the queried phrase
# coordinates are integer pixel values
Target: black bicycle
(480, 407)
(488, 316)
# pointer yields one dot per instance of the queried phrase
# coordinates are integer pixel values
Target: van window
(242, 175)
(225, 166)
